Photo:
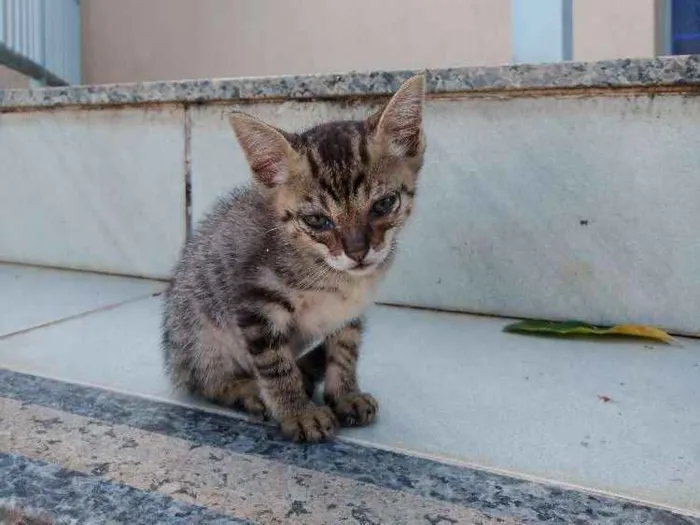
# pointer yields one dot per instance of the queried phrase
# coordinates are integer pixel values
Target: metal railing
(41, 39)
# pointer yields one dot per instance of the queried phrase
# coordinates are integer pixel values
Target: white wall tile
(551, 207)
(97, 190)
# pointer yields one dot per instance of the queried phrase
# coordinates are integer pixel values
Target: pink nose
(356, 245)
(358, 255)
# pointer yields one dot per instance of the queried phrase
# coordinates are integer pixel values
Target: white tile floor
(451, 386)
(31, 296)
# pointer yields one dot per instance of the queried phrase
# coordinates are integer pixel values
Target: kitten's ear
(267, 151)
(401, 120)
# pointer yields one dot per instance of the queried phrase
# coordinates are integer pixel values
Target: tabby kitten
(291, 261)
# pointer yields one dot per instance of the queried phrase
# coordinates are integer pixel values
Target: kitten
(293, 260)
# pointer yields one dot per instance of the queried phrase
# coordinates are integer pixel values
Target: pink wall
(137, 40)
(606, 29)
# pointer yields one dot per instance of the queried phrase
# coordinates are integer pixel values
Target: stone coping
(672, 71)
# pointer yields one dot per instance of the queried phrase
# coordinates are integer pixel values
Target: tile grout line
(501, 316)
(80, 315)
(82, 270)
(188, 171)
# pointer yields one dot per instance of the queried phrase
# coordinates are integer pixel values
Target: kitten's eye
(384, 205)
(318, 222)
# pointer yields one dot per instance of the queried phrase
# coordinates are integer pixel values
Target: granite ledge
(672, 71)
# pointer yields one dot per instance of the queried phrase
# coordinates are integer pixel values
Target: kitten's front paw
(254, 407)
(355, 409)
(314, 425)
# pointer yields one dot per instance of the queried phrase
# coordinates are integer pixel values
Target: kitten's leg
(213, 366)
(280, 380)
(313, 367)
(341, 392)
(240, 394)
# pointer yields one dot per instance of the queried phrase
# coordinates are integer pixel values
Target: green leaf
(571, 328)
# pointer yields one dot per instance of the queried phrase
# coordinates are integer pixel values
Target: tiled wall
(99, 190)
(549, 207)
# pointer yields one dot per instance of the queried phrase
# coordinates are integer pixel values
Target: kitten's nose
(356, 245)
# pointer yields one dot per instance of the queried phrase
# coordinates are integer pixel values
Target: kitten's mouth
(362, 269)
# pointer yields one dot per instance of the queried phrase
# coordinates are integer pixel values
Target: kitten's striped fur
(293, 260)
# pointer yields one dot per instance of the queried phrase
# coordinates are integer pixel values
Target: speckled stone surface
(662, 71)
(245, 486)
(495, 496)
(71, 497)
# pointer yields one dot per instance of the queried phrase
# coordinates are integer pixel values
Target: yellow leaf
(638, 330)
(569, 328)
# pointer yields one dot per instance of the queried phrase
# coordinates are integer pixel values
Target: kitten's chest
(320, 313)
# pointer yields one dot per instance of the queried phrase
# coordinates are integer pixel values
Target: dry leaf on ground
(569, 328)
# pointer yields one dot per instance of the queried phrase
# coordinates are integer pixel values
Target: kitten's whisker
(274, 229)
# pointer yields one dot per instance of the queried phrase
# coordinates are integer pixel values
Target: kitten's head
(343, 189)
